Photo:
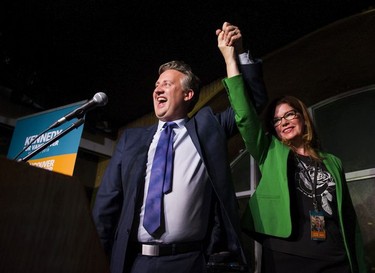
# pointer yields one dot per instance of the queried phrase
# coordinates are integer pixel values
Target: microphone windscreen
(100, 98)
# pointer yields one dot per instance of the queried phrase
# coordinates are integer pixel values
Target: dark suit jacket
(122, 184)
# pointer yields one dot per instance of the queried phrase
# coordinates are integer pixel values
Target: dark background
(58, 52)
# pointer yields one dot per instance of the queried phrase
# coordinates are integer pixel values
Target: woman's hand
(227, 37)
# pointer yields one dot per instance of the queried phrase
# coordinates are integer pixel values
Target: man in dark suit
(200, 213)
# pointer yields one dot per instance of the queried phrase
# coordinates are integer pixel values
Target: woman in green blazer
(301, 211)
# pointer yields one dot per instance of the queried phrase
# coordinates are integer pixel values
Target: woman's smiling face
(291, 124)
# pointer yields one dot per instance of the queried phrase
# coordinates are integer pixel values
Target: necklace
(312, 181)
(317, 221)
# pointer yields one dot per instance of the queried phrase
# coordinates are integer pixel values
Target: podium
(45, 223)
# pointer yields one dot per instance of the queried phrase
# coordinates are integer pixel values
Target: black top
(301, 171)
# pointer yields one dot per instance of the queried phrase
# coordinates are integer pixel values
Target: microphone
(99, 99)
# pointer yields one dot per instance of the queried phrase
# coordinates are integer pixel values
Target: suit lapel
(191, 128)
(140, 159)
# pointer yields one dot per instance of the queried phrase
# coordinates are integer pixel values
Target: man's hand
(226, 39)
(232, 36)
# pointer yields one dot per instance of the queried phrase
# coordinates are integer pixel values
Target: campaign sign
(59, 155)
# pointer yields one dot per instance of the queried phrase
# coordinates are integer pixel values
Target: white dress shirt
(187, 206)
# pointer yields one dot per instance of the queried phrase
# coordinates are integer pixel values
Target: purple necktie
(160, 179)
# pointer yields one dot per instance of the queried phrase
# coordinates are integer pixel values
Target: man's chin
(160, 116)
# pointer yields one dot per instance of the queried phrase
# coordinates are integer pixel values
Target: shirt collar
(180, 123)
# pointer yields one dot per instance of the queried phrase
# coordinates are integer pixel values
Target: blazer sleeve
(108, 200)
(253, 78)
(247, 119)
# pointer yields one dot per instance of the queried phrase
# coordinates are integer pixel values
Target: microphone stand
(74, 125)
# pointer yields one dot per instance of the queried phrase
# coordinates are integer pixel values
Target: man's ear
(188, 95)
